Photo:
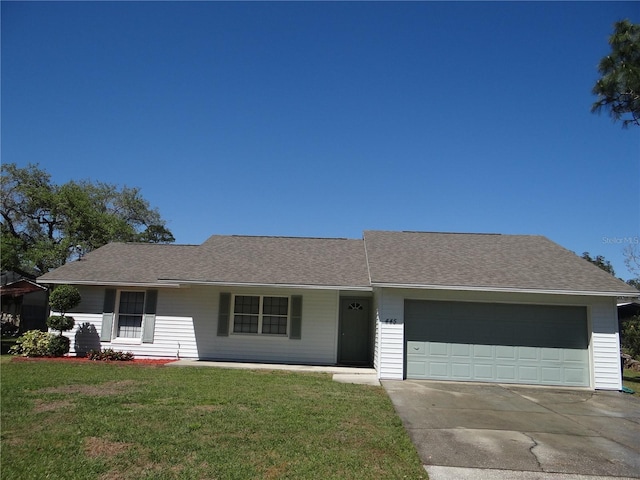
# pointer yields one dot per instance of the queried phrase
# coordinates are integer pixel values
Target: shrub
(64, 298)
(58, 346)
(60, 323)
(109, 354)
(631, 337)
(33, 343)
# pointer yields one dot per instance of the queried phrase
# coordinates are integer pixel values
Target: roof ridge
(157, 244)
(451, 233)
(286, 236)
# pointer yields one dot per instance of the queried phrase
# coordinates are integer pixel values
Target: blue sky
(330, 118)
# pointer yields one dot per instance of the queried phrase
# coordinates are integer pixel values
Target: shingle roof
(436, 260)
(278, 260)
(512, 262)
(224, 259)
(124, 263)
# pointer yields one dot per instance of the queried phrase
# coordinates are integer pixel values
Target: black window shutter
(108, 309)
(224, 308)
(149, 317)
(296, 317)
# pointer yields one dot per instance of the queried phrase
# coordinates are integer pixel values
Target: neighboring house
(23, 300)
(470, 307)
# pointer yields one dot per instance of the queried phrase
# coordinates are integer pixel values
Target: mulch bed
(138, 361)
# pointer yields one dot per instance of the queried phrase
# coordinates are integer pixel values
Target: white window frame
(116, 319)
(260, 314)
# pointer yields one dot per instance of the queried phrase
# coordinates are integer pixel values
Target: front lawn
(631, 379)
(62, 420)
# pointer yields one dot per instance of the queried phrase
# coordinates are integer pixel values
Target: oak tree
(44, 225)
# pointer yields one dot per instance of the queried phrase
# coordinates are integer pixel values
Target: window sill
(126, 341)
(264, 335)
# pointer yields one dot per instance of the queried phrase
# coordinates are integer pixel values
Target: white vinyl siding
(376, 334)
(606, 344)
(390, 347)
(317, 345)
(174, 329)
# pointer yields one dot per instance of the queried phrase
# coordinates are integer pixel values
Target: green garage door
(492, 342)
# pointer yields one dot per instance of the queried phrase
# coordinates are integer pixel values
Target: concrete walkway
(360, 375)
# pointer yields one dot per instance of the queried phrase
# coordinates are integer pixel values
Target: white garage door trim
(494, 342)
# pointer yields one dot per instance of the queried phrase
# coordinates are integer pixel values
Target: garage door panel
(506, 373)
(495, 342)
(573, 376)
(574, 356)
(461, 371)
(439, 369)
(460, 350)
(483, 372)
(528, 374)
(550, 354)
(483, 351)
(505, 352)
(438, 349)
(417, 369)
(417, 348)
(528, 353)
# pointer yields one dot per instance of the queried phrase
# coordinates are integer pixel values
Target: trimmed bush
(58, 346)
(64, 298)
(109, 354)
(33, 343)
(60, 323)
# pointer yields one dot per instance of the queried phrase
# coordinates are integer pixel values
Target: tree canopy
(618, 89)
(44, 225)
(600, 261)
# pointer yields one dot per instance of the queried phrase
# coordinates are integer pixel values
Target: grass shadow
(631, 379)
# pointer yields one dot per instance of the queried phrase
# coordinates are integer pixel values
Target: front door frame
(366, 358)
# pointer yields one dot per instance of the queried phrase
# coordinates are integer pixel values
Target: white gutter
(499, 289)
(114, 284)
(268, 285)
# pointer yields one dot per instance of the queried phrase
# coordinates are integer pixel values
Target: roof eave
(594, 293)
(355, 288)
(109, 283)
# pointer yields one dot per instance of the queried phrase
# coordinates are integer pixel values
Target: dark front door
(354, 342)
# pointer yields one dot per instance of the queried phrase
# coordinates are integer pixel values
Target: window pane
(245, 324)
(274, 325)
(130, 310)
(131, 302)
(247, 304)
(275, 306)
(129, 326)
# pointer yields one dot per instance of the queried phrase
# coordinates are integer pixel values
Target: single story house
(419, 305)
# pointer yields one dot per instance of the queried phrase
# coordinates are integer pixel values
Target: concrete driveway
(518, 431)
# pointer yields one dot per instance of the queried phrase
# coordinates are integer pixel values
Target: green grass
(631, 379)
(102, 421)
